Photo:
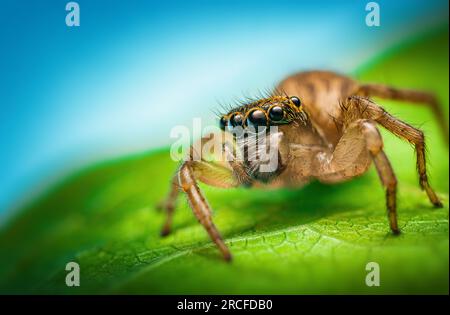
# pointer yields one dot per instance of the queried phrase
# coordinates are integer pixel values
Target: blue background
(133, 69)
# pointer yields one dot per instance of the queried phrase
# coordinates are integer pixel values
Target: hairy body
(327, 130)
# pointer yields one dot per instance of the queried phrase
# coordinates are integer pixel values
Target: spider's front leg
(213, 173)
(199, 205)
(365, 108)
(360, 143)
(374, 145)
(359, 116)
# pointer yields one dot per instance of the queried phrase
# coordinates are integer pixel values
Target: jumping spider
(327, 130)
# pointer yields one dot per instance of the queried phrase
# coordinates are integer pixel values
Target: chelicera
(326, 130)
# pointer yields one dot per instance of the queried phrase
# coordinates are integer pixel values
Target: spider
(326, 130)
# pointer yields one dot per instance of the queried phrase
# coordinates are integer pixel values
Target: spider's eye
(236, 120)
(257, 118)
(276, 113)
(223, 123)
(296, 101)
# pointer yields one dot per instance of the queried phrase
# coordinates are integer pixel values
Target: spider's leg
(419, 97)
(208, 172)
(188, 183)
(213, 173)
(374, 145)
(367, 109)
(169, 205)
(360, 144)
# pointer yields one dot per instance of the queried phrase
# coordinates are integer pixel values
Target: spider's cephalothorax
(255, 128)
(330, 136)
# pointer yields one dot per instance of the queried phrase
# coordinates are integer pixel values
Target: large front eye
(296, 101)
(236, 120)
(257, 118)
(276, 113)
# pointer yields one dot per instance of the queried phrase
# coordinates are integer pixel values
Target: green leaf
(317, 239)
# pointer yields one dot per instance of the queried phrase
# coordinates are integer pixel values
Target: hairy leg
(169, 205)
(374, 144)
(359, 107)
(213, 173)
(186, 180)
(199, 205)
(361, 144)
(419, 97)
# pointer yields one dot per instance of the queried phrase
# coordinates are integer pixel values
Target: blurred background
(133, 69)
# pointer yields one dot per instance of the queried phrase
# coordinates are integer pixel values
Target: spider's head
(265, 112)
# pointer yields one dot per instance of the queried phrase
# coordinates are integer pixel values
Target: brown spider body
(326, 130)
